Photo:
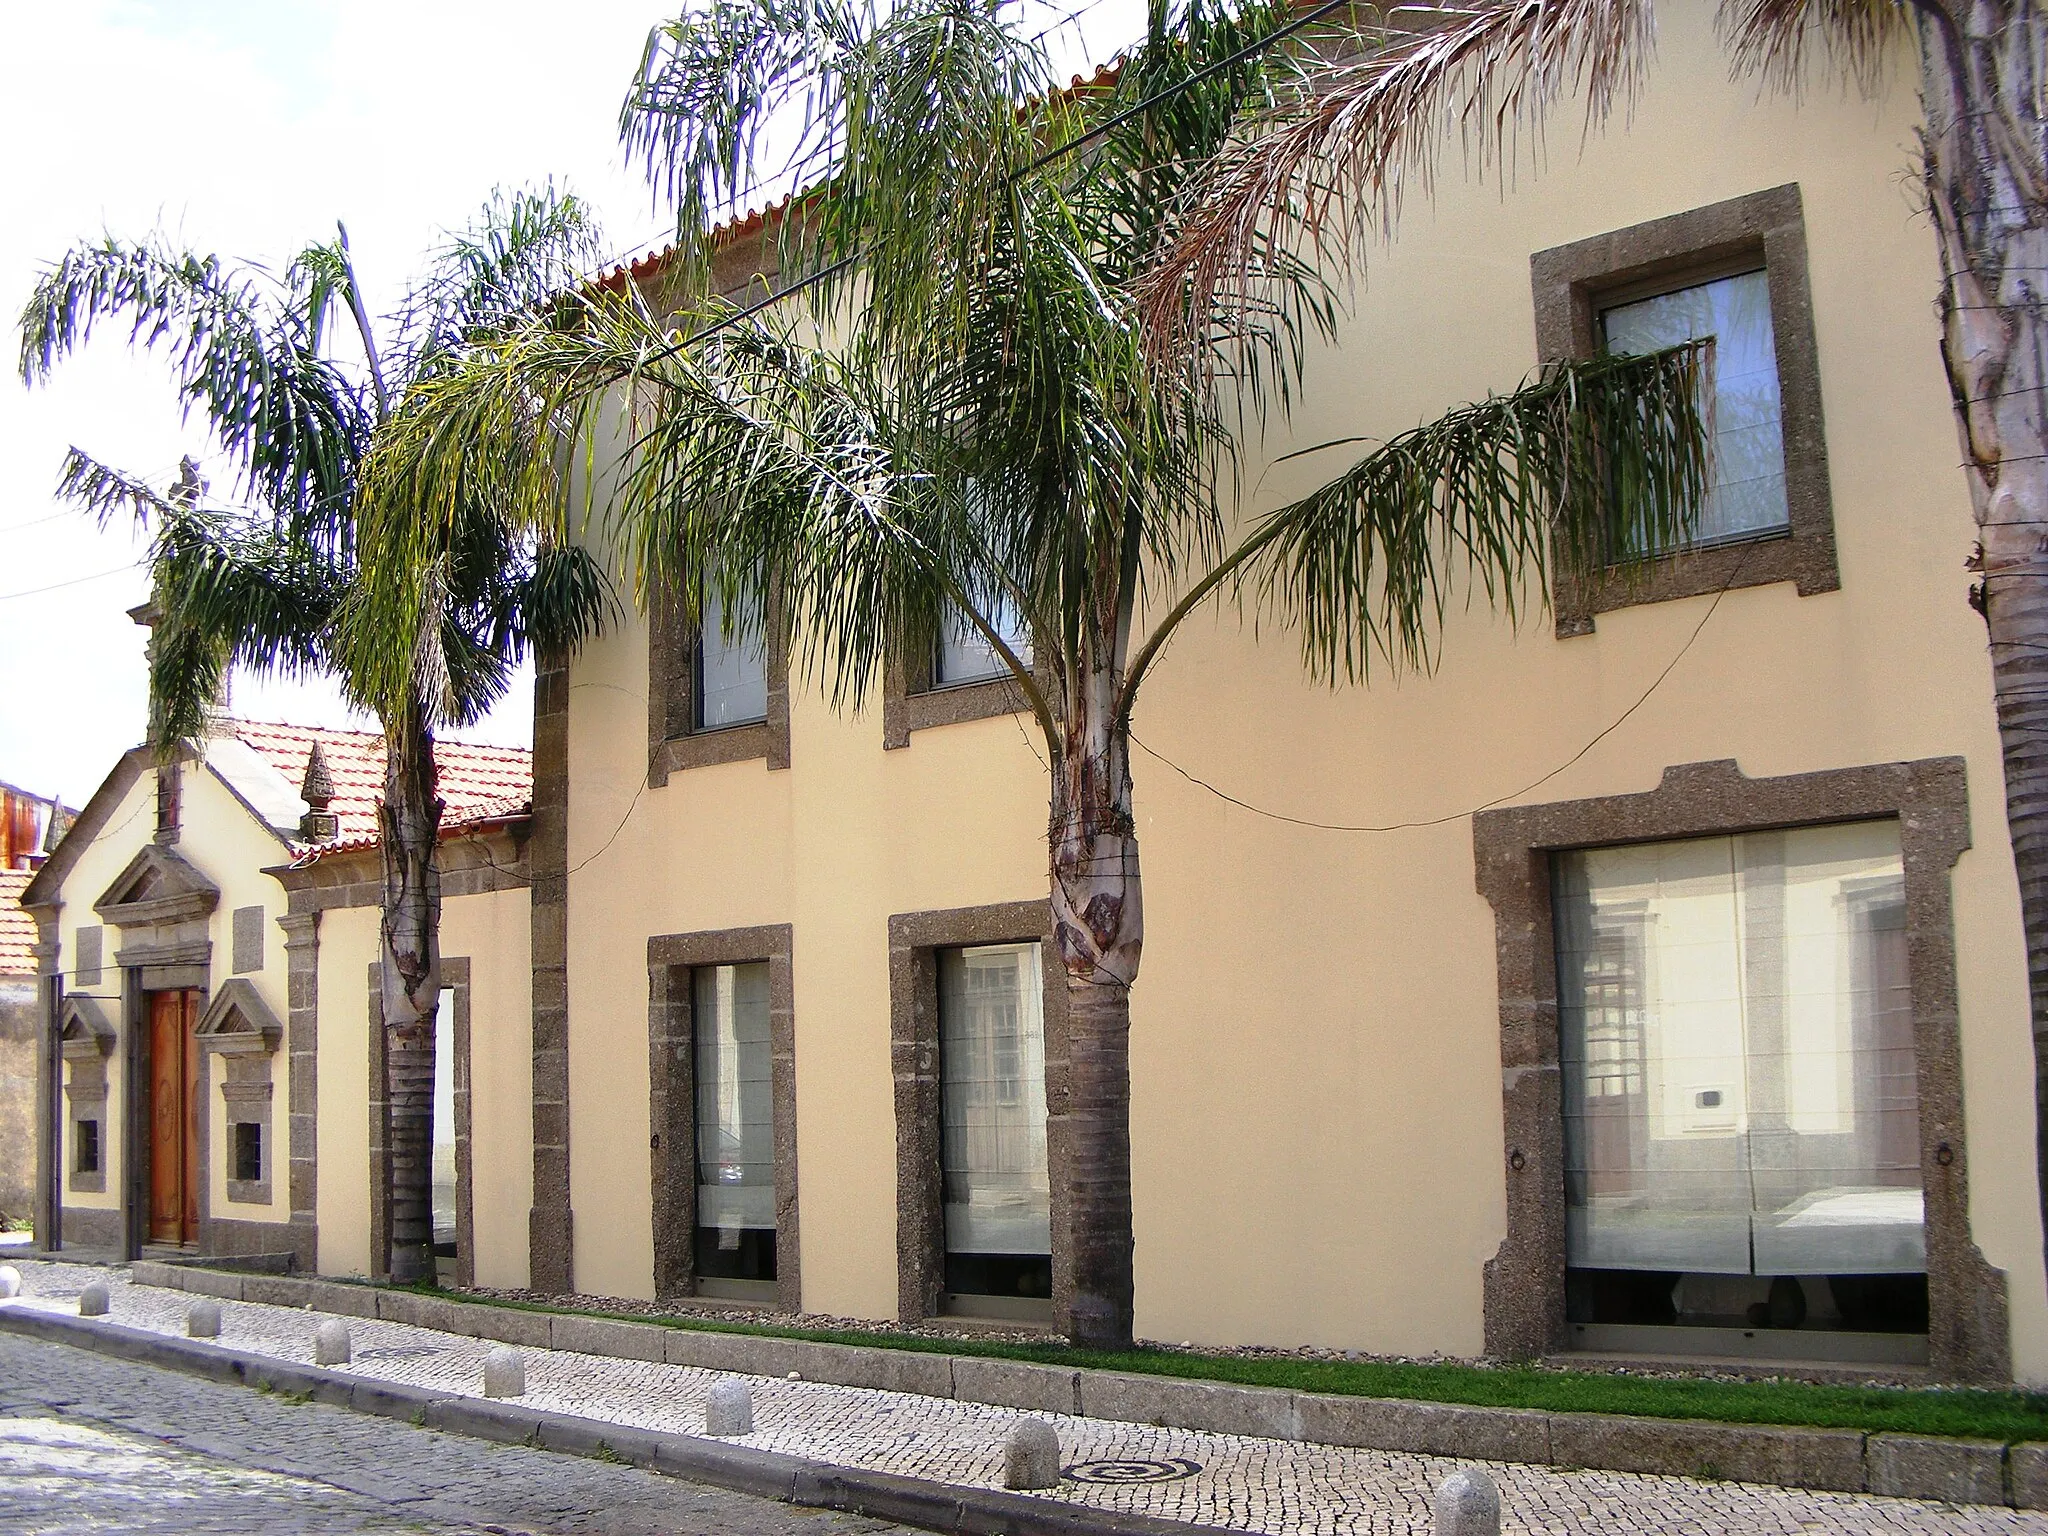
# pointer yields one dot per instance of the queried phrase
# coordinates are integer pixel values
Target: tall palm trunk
(1099, 922)
(411, 950)
(1987, 187)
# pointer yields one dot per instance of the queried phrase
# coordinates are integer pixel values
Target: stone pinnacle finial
(318, 825)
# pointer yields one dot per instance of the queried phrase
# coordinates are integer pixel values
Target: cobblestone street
(93, 1444)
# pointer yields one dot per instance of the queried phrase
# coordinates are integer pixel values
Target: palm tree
(968, 426)
(271, 583)
(1333, 159)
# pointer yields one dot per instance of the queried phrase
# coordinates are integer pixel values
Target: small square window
(85, 1145)
(1742, 403)
(248, 1151)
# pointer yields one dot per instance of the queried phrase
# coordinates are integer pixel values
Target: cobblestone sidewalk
(118, 1448)
(1222, 1480)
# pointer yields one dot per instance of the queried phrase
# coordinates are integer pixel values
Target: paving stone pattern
(1242, 1482)
(89, 1443)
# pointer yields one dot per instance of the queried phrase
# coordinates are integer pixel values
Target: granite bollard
(10, 1281)
(202, 1320)
(1466, 1504)
(1031, 1455)
(504, 1372)
(729, 1410)
(330, 1343)
(94, 1300)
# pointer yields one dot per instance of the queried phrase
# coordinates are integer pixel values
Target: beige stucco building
(1646, 980)
(207, 941)
(1367, 1104)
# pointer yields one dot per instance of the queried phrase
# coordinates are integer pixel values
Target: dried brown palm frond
(1331, 168)
(1773, 38)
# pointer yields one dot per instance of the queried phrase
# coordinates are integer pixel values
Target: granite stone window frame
(87, 1041)
(915, 939)
(455, 980)
(674, 741)
(1574, 283)
(912, 701)
(672, 1079)
(1969, 1333)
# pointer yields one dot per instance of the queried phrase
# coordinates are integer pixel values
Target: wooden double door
(173, 1117)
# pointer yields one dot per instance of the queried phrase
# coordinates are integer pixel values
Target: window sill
(724, 744)
(249, 1191)
(88, 1184)
(948, 704)
(1804, 557)
(996, 1309)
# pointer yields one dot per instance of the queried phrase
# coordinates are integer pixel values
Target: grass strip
(1967, 1412)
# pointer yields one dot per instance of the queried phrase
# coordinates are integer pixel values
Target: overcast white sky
(247, 127)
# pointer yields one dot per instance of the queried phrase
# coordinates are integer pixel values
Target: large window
(1741, 1112)
(998, 1205)
(1747, 496)
(732, 668)
(735, 1238)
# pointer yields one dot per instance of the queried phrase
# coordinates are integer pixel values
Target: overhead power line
(76, 581)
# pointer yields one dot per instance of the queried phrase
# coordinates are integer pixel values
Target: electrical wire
(56, 586)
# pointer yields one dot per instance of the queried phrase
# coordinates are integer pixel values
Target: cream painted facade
(1320, 1153)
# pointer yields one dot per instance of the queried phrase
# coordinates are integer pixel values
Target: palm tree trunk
(1099, 924)
(411, 945)
(1987, 187)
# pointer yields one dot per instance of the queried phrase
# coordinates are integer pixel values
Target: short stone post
(730, 1409)
(94, 1300)
(504, 1372)
(1467, 1504)
(10, 1281)
(1031, 1455)
(202, 1320)
(330, 1343)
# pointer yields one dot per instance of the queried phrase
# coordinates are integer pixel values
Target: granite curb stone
(1831, 1459)
(1927, 1467)
(2026, 1475)
(1834, 1460)
(1426, 1429)
(881, 1495)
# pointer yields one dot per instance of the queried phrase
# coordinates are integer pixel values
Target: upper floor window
(1742, 404)
(732, 668)
(964, 654)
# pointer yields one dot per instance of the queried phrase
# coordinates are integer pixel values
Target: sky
(247, 128)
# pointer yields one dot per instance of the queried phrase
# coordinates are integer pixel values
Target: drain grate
(1132, 1469)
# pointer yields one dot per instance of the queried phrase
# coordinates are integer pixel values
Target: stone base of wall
(1839, 1460)
(293, 1243)
(96, 1229)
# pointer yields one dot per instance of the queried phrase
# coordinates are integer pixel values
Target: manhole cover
(1132, 1469)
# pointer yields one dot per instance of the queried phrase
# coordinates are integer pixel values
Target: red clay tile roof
(17, 928)
(477, 782)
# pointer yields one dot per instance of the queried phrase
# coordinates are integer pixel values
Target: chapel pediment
(84, 1028)
(158, 886)
(238, 1020)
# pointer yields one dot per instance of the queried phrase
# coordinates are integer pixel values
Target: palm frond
(1598, 463)
(102, 491)
(523, 249)
(293, 423)
(1776, 38)
(1332, 166)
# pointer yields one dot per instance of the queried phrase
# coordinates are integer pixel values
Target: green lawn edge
(1953, 1412)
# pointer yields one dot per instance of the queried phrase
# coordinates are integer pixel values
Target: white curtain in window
(444, 1118)
(1737, 1046)
(735, 1113)
(1748, 491)
(732, 670)
(992, 1060)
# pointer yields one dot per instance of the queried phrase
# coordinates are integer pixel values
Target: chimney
(318, 825)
